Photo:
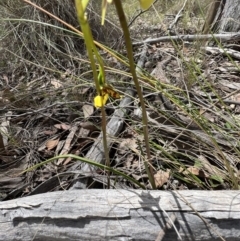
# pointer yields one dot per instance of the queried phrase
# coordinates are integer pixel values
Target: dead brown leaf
(127, 144)
(193, 170)
(161, 177)
(56, 83)
(67, 161)
(50, 144)
(62, 126)
(87, 110)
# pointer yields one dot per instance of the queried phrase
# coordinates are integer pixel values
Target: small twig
(138, 15)
(215, 50)
(178, 16)
(231, 102)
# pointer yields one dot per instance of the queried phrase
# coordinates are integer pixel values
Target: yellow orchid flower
(100, 101)
(106, 91)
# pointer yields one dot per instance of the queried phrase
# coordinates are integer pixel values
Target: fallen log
(122, 215)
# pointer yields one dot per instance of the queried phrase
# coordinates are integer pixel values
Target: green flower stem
(87, 35)
(91, 48)
(123, 22)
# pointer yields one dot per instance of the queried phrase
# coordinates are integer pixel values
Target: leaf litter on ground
(194, 128)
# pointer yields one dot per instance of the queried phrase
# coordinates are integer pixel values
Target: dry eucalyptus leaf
(87, 110)
(62, 126)
(161, 177)
(127, 144)
(56, 83)
(50, 144)
(193, 170)
(50, 132)
(67, 161)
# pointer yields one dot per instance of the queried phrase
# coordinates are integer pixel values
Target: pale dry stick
(67, 146)
(141, 60)
(220, 37)
(231, 102)
(224, 51)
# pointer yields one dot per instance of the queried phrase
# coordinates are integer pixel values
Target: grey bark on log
(122, 215)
